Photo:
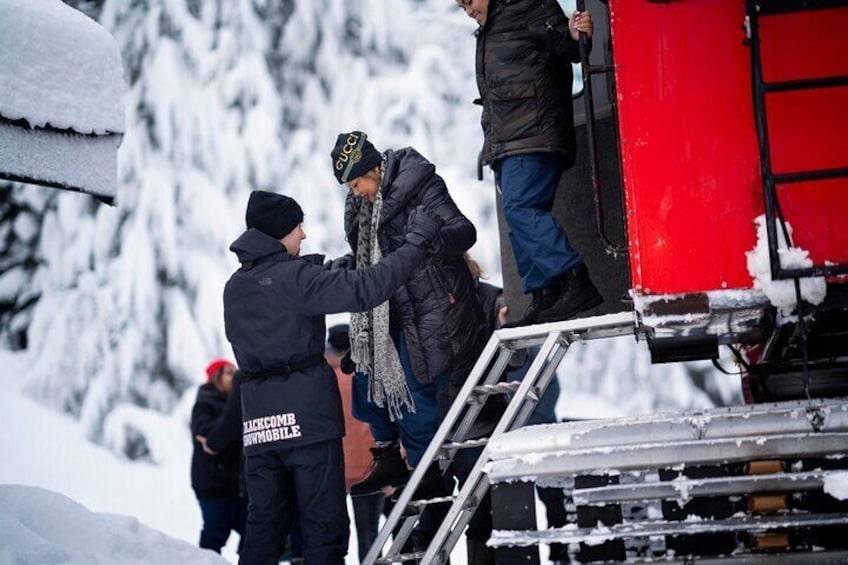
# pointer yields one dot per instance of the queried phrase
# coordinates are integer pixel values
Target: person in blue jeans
(523, 68)
(406, 350)
(414, 432)
(216, 475)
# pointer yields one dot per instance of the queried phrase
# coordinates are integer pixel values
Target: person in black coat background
(215, 477)
(228, 430)
(274, 307)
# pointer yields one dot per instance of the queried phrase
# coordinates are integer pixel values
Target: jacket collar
(253, 246)
(494, 8)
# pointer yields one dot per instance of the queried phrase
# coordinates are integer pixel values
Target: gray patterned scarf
(372, 348)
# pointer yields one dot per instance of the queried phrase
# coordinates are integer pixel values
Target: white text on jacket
(271, 428)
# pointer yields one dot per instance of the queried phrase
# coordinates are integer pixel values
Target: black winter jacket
(495, 405)
(437, 308)
(274, 308)
(212, 475)
(524, 77)
(227, 430)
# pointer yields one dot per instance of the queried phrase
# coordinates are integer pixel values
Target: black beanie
(353, 156)
(273, 214)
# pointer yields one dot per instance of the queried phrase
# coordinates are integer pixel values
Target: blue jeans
(221, 515)
(528, 185)
(414, 429)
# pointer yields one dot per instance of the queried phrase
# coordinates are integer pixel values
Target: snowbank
(47, 449)
(40, 526)
(59, 68)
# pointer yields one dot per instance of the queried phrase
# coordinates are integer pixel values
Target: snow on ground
(47, 449)
(40, 526)
(580, 406)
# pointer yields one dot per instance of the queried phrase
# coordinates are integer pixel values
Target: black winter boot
(578, 294)
(387, 469)
(432, 485)
(543, 298)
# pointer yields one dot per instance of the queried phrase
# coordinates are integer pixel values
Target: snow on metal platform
(787, 429)
(601, 534)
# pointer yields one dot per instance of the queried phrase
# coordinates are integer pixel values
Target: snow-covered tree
(123, 305)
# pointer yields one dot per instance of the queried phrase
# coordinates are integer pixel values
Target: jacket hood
(253, 245)
(408, 167)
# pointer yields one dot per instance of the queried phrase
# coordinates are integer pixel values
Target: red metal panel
(805, 44)
(818, 213)
(809, 129)
(689, 147)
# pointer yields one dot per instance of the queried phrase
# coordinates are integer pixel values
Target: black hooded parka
(274, 308)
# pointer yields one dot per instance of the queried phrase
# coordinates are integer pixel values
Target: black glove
(344, 262)
(422, 229)
(347, 365)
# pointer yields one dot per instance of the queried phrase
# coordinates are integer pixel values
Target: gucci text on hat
(353, 156)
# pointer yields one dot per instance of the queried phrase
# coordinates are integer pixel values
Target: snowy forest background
(113, 313)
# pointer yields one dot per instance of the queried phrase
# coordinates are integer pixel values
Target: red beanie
(216, 366)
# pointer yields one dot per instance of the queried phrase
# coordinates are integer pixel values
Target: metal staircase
(768, 465)
(776, 459)
(452, 435)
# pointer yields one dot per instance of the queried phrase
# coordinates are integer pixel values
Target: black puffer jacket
(524, 77)
(212, 475)
(437, 306)
(274, 308)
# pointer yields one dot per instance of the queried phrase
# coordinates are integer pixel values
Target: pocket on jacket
(514, 112)
(441, 288)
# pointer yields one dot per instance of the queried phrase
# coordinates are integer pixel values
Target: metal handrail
(594, 163)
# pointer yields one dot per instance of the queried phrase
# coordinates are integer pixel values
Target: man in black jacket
(406, 350)
(524, 51)
(215, 476)
(274, 308)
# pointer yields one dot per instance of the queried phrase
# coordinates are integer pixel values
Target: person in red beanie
(215, 477)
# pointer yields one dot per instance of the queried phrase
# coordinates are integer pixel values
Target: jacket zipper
(437, 276)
